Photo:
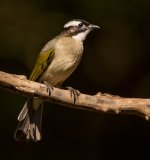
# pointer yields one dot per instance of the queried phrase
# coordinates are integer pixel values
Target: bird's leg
(49, 87)
(73, 93)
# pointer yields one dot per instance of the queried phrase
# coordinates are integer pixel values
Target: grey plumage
(55, 63)
(29, 126)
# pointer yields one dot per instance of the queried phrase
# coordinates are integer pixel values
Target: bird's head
(79, 29)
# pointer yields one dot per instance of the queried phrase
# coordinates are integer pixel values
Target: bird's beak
(92, 26)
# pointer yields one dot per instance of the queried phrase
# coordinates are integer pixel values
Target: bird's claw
(49, 88)
(73, 93)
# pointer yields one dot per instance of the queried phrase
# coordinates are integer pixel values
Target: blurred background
(116, 61)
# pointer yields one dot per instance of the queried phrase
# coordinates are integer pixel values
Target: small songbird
(55, 63)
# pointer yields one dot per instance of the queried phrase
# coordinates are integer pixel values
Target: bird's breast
(68, 53)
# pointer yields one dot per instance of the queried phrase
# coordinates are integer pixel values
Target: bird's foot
(49, 88)
(73, 93)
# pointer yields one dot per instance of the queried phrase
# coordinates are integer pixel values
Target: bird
(55, 63)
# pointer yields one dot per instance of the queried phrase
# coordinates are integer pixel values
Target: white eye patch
(71, 23)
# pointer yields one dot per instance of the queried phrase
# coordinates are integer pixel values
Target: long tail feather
(30, 117)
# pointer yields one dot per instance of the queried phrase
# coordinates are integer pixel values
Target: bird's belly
(60, 69)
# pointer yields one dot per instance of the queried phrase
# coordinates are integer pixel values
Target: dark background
(116, 60)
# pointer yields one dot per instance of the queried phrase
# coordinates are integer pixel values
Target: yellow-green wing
(42, 63)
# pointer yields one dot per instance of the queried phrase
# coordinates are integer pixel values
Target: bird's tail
(30, 117)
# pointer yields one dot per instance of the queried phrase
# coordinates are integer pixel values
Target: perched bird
(55, 63)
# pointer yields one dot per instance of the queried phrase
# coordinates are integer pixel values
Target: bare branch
(99, 102)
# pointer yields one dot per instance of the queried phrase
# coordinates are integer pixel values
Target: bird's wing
(42, 62)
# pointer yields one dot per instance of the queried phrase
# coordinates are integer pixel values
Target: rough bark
(99, 102)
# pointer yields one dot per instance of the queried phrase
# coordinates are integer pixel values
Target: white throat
(81, 36)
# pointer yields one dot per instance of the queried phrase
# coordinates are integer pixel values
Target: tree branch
(99, 102)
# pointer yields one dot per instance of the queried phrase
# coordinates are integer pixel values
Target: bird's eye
(80, 24)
